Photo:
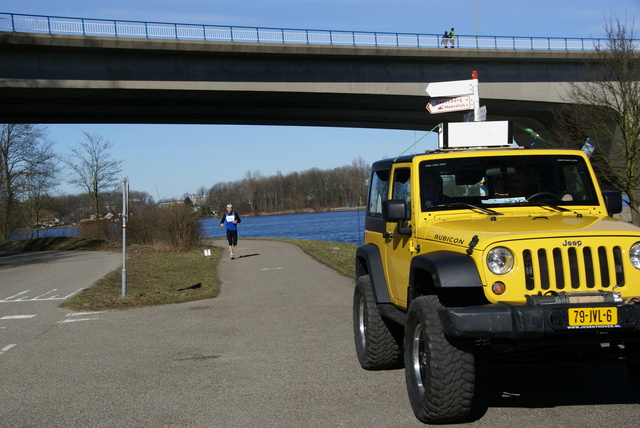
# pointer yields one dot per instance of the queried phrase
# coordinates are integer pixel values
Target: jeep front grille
(573, 268)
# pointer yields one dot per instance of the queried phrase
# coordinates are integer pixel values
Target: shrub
(99, 229)
(173, 228)
(141, 224)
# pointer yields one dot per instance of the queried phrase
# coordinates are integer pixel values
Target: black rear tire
(376, 339)
(440, 377)
(633, 367)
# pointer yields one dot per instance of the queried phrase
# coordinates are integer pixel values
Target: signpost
(125, 212)
(443, 105)
(456, 95)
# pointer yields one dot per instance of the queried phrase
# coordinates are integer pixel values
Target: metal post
(475, 4)
(475, 97)
(125, 213)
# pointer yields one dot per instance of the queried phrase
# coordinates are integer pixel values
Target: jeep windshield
(496, 181)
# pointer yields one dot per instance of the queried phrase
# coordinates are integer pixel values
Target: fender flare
(448, 269)
(373, 261)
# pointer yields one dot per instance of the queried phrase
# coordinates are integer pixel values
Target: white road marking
(17, 317)
(11, 298)
(77, 319)
(40, 298)
(274, 268)
(79, 314)
(70, 317)
(6, 348)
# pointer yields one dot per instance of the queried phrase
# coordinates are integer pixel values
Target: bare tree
(40, 179)
(27, 169)
(606, 109)
(359, 173)
(203, 200)
(296, 191)
(140, 197)
(94, 170)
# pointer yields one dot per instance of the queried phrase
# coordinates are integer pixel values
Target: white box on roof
(475, 134)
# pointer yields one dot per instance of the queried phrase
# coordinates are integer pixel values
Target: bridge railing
(161, 30)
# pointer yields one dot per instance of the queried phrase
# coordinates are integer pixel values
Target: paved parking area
(274, 349)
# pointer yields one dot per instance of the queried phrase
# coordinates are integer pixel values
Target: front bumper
(507, 321)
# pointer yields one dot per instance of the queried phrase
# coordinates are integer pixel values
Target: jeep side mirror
(613, 201)
(396, 210)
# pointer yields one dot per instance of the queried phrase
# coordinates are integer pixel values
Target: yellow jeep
(491, 254)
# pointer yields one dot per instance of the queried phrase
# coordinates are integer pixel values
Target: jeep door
(398, 244)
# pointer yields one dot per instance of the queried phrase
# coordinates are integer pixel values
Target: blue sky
(171, 160)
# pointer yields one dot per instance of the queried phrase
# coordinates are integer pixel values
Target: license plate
(593, 316)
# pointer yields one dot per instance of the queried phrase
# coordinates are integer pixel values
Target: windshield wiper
(473, 207)
(540, 204)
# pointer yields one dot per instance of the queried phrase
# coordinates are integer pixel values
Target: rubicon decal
(450, 239)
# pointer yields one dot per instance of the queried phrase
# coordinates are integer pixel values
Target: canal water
(337, 226)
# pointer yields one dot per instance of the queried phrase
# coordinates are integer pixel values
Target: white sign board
(450, 89)
(475, 134)
(443, 105)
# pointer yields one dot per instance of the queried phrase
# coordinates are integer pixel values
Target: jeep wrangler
(482, 252)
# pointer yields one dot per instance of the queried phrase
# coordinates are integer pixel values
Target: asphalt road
(275, 349)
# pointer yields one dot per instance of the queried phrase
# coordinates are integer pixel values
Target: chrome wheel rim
(418, 358)
(362, 327)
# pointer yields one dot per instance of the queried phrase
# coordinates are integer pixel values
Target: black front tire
(377, 340)
(440, 377)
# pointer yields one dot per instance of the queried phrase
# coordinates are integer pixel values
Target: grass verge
(156, 277)
(340, 256)
(153, 278)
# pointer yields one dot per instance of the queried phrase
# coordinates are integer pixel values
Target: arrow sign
(461, 95)
(450, 89)
(443, 105)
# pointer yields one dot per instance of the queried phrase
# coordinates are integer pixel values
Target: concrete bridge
(50, 78)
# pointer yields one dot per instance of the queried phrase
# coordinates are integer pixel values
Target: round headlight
(500, 260)
(634, 255)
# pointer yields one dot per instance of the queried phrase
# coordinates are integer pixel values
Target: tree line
(30, 170)
(313, 189)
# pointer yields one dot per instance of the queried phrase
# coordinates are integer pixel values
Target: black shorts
(232, 237)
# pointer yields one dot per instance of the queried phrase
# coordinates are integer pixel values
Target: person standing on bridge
(229, 221)
(452, 38)
(445, 39)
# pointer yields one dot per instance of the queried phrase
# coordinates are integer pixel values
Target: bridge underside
(71, 79)
(46, 105)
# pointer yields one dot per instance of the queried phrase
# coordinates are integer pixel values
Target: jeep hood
(491, 229)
